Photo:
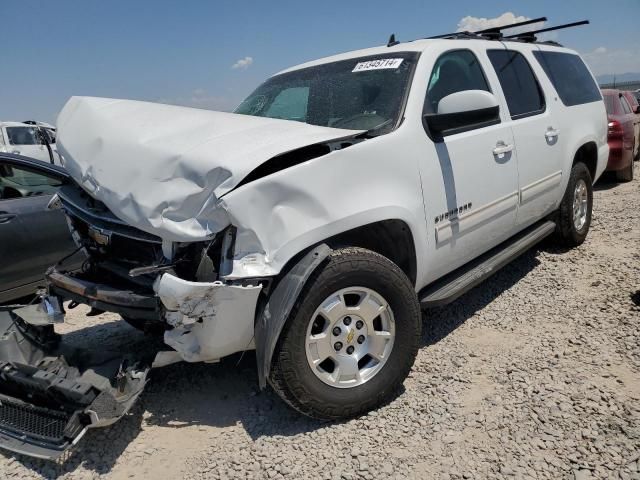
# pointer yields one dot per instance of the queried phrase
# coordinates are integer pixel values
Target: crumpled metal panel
(211, 319)
(162, 168)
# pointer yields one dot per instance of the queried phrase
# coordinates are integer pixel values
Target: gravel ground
(534, 374)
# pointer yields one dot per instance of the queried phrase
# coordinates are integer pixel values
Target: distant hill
(622, 77)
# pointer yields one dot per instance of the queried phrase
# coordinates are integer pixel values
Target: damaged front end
(175, 288)
(51, 392)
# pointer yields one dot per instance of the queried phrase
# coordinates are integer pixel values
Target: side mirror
(462, 111)
(637, 109)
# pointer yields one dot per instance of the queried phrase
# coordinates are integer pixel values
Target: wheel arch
(587, 153)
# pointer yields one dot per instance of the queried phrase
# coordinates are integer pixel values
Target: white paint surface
(162, 168)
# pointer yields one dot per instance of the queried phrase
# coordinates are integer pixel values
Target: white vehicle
(314, 223)
(27, 140)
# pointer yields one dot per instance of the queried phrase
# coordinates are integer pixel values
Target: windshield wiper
(375, 131)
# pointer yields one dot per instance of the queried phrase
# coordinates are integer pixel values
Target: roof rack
(495, 33)
(531, 36)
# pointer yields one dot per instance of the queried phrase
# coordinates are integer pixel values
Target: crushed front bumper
(51, 393)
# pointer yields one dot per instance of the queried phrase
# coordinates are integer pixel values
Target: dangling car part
(51, 393)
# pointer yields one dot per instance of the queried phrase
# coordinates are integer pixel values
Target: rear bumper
(619, 157)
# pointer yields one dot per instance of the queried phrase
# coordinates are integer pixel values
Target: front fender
(271, 320)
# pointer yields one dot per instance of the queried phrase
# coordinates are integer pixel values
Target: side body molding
(276, 311)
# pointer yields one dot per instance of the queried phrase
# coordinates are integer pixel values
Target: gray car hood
(162, 168)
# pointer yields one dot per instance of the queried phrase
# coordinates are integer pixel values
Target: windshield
(359, 94)
(22, 136)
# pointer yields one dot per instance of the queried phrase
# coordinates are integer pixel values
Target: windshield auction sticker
(377, 64)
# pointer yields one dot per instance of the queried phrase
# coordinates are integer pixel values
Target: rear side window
(454, 71)
(570, 77)
(625, 105)
(519, 84)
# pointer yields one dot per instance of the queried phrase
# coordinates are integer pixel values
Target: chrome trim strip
(470, 219)
(550, 181)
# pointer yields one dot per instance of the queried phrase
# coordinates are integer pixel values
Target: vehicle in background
(637, 94)
(47, 127)
(32, 237)
(621, 134)
(31, 141)
(635, 108)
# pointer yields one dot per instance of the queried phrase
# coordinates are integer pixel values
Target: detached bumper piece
(51, 394)
(37, 432)
(125, 301)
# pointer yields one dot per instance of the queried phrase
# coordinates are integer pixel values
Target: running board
(460, 281)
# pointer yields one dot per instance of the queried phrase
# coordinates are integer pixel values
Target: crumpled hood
(162, 168)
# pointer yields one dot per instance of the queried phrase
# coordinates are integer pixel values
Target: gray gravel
(535, 374)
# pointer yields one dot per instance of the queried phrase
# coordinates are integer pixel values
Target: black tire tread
(566, 234)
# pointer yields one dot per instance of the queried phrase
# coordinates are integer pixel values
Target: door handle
(551, 133)
(6, 217)
(502, 148)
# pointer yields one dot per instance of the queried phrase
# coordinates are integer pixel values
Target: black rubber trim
(276, 311)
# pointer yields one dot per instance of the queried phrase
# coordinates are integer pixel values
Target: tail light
(615, 129)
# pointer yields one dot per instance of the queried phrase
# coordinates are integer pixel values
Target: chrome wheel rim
(350, 337)
(580, 204)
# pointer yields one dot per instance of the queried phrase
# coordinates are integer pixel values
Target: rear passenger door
(537, 134)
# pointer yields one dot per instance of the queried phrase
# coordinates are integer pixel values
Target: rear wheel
(574, 215)
(351, 338)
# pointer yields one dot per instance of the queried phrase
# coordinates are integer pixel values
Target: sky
(211, 54)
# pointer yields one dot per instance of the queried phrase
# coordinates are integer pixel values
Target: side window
(290, 104)
(625, 105)
(569, 76)
(454, 71)
(18, 182)
(519, 84)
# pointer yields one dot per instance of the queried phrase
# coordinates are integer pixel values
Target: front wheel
(351, 338)
(574, 215)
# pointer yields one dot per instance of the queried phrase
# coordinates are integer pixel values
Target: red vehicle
(621, 133)
(635, 108)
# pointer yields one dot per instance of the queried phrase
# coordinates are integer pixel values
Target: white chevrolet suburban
(312, 225)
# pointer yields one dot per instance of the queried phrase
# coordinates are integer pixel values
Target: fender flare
(276, 311)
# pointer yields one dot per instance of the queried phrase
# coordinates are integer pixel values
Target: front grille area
(127, 246)
(80, 205)
(41, 423)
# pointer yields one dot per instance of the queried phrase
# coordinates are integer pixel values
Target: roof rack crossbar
(512, 25)
(494, 30)
(549, 29)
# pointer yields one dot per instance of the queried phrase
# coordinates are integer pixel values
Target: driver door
(471, 189)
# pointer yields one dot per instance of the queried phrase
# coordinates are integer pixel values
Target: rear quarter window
(570, 77)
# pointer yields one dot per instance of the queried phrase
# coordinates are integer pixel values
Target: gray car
(32, 237)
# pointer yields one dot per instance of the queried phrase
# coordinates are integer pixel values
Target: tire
(626, 174)
(308, 389)
(567, 232)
